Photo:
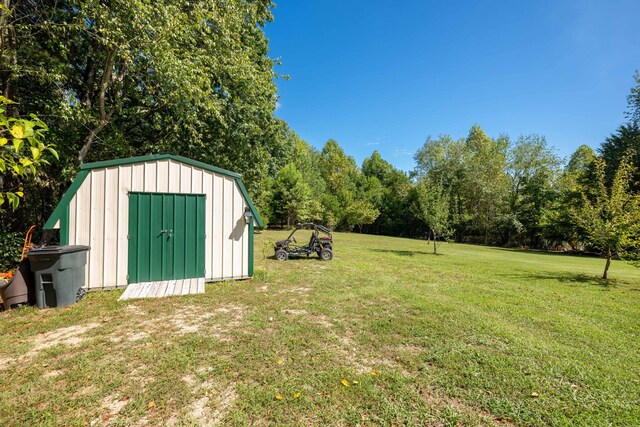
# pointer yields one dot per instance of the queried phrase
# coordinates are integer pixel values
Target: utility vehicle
(321, 243)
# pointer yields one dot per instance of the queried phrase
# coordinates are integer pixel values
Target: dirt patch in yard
(218, 322)
(5, 362)
(348, 350)
(295, 312)
(110, 407)
(71, 336)
(211, 404)
(53, 374)
(442, 402)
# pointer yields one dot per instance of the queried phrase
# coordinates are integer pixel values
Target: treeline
(494, 191)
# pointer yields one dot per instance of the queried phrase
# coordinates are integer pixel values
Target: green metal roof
(61, 211)
(156, 157)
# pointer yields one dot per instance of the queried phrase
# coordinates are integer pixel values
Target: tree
(610, 217)
(486, 184)
(633, 101)
(532, 170)
(388, 189)
(291, 195)
(339, 172)
(434, 209)
(445, 160)
(625, 140)
(361, 212)
(22, 153)
(558, 224)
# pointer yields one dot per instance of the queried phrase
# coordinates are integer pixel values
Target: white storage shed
(158, 219)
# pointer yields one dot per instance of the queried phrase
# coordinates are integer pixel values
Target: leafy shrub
(10, 249)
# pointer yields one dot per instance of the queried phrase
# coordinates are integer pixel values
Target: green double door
(166, 236)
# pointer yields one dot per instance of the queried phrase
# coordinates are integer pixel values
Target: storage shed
(159, 218)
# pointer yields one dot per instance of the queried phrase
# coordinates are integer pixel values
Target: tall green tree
(339, 172)
(434, 209)
(625, 141)
(445, 160)
(558, 224)
(389, 190)
(486, 182)
(610, 217)
(532, 171)
(291, 196)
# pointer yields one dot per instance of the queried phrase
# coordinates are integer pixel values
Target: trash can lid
(57, 250)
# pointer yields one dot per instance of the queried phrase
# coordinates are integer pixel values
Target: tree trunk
(88, 141)
(435, 242)
(606, 266)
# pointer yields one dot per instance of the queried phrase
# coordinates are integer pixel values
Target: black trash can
(58, 273)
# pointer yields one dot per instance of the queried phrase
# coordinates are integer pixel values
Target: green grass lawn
(475, 336)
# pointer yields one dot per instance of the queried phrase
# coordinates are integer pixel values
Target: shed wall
(99, 215)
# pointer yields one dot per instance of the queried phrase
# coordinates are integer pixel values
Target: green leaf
(18, 130)
(35, 153)
(17, 144)
(53, 152)
(19, 170)
(3, 141)
(13, 200)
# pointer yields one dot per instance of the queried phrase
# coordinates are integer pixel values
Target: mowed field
(385, 334)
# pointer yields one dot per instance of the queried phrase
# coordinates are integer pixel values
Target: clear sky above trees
(385, 75)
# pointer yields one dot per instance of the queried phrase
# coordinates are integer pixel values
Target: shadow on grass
(576, 279)
(403, 253)
(545, 252)
(296, 258)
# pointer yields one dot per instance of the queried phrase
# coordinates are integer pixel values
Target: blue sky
(380, 75)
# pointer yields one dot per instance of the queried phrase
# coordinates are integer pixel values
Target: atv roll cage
(320, 242)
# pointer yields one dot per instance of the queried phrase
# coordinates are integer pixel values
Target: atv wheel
(282, 255)
(326, 254)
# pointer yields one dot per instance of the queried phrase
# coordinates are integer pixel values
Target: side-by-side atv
(321, 243)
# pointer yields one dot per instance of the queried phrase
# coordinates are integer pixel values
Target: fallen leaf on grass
(297, 395)
(354, 382)
(279, 397)
(151, 404)
(374, 373)
(534, 394)
(280, 361)
(345, 383)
